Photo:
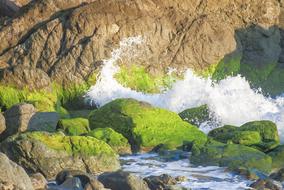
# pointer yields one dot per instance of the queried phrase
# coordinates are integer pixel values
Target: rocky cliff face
(65, 41)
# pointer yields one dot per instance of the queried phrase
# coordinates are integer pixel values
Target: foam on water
(211, 177)
(231, 100)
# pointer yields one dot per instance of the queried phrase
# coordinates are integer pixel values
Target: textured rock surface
(262, 135)
(51, 153)
(17, 119)
(12, 175)
(232, 156)
(2, 123)
(122, 180)
(67, 40)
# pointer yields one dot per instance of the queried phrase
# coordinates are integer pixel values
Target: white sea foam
(231, 100)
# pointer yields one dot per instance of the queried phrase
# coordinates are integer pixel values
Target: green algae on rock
(232, 156)
(116, 140)
(262, 135)
(197, 115)
(277, 156)
(145, 126)
(51, 153)
(74, 126)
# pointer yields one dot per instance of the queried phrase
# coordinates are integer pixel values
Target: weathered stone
(39, 182)
(278, 176)
(17, 119)
(44, 121)
(51, 153)
(2, 123)
(232, 156)
(266, 184)
(160, 182)
(122, 180)
(192, 34)
(13, 175)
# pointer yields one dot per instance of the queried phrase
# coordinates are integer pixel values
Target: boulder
(51, 153)
(262, 135)
(13, 175)
(122, 180)
(17, 119)
(278, 175)
(196, 116)
(266, 184)
(116, 140)
(39, 182)
(74, 126)
(277, 156)
(145, 126)
(88, 181)
(217, 37)
(161, 182)
(232, 156)
(2, 123)
(44, 121)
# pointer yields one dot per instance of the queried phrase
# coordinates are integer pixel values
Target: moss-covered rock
(196, 116)
(262, 135)
(144, 125)
(74, 126)
(268, 132)
(277, 156)
(51, 153)
(116, 140)
(232, 156)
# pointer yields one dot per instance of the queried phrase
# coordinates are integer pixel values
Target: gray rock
(278, 176)
(263, 184)
(13, 175)
(122, 180)
(44, 121)
(17, 119)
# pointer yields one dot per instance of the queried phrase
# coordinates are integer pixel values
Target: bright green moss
(74, 126)
(145, 126)
(277, 156)
(137, 78)
(197, 115)
(262, 135)
(116, 140)
(232, 156)
(42, 100)
(74, 145)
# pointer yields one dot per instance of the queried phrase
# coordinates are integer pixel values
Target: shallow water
(198, 178)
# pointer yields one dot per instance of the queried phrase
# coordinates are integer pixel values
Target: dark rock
(262, 135)
(162, 182)
(44, 121)
(232, 156)
(196, 116)
(278, 176)
(263, 184)
(277, 156)
(122, 180)
(13, 175)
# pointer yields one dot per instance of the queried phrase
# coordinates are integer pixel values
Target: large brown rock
(13, 175)
(67, 40)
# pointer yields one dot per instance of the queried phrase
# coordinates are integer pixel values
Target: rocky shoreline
(83, 153)
(52, 52)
